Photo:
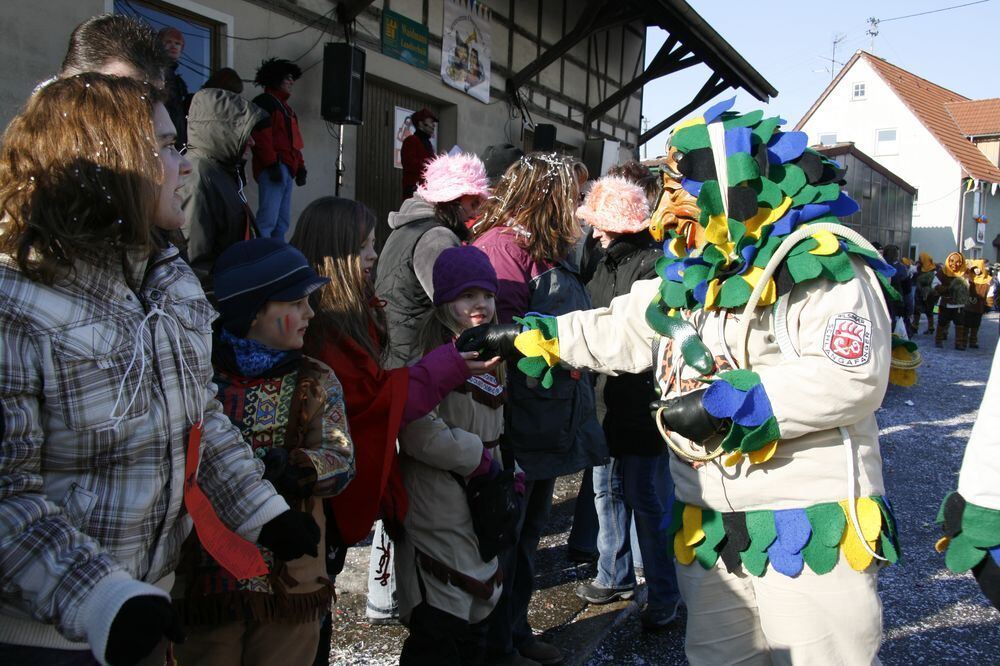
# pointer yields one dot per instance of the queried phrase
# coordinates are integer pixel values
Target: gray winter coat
(216, 212)
(405, 275)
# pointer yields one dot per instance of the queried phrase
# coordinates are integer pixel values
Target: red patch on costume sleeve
(848, 340)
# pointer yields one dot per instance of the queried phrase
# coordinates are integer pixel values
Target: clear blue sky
(789, 43)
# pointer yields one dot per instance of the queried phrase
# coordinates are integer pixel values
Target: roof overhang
(691, 40)
(848, 148)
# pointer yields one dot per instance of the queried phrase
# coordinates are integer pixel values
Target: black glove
(139, 626)
(274, 172)
(688, 417)
(490, 340)
(290, 535)
(300, 177)
(291, 480)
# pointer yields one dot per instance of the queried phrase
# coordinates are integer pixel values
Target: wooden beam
(596, 16)
(348, 10)
(713, 86)
(666, 61)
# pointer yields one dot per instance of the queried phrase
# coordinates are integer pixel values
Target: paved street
(931, 616)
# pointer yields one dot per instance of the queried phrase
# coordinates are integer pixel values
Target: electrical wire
(932, 11)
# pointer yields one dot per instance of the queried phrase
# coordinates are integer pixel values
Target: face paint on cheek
(288, 323)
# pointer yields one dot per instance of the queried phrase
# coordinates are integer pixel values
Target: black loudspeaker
(343, 84)
(545, 137)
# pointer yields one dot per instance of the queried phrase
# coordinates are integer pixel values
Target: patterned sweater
(297, 405)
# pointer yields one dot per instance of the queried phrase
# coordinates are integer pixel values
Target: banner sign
(465, 47)
(404, 39)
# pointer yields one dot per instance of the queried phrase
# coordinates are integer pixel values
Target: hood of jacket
(220, 123)
(413, 209)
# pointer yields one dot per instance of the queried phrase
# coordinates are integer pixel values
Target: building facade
(907, 124)
(241, 33)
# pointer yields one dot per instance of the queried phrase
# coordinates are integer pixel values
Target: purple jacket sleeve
(437, 374)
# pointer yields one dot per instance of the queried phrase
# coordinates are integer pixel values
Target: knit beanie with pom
(448, 177)
(617, 205)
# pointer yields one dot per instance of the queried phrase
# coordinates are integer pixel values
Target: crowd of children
(181, 477)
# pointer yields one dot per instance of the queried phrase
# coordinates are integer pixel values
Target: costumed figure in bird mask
(769, 335)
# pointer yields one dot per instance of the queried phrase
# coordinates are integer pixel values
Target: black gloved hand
(490, 340)
(291, 480)
(274, 172)
(300, 177)
(139, 626)
(290, 535)
(688, 417)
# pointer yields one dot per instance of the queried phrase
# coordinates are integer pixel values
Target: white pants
(835, 618)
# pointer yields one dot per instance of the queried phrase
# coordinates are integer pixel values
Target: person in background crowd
(434, 219)
(417, 151)
(349, 334)
(979, 280)
(582, 544)
(953, 291)
(901, 283)
(277, 149)
(176, 89)
(528, 230)
(106, 398)
(115, 45)
(216, 212)
(926, 297)
(635, 483)
(290, 409)
(446, 588)
(497, 158)
(226, 78)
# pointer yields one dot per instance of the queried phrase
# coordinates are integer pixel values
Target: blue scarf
(253, 358)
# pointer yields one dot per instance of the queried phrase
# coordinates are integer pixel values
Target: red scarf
(374, 398)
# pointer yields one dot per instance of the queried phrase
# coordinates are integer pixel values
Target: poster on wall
(465, 47)
(402, 127)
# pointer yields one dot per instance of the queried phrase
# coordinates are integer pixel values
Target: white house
(941, 142)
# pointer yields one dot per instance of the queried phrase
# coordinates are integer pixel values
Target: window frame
(879, 152)
(855, 97)
(219, 24)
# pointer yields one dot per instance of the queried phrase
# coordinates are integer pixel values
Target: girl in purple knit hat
(447, 585)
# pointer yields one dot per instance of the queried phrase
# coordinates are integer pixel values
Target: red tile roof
(978, 117)
(929, 102)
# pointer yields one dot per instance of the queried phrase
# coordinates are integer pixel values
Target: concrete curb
(578, 652)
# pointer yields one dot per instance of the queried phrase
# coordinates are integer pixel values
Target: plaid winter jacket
(99, 385)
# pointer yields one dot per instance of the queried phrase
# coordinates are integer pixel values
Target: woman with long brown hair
(349, 334)
(105, 375)
(529, 230)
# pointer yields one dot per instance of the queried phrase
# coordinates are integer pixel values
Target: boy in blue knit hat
(290, 409)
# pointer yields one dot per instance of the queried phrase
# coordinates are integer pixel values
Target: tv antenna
(872, 31)
(837, 39)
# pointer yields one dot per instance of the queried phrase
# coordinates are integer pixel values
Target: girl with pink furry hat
(635, 485)
(425, 225)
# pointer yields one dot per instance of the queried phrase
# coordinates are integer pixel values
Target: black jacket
(215, 210)
(624, 400)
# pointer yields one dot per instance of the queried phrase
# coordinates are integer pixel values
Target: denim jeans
(509, 628)
(639, 487)
(274, 203)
